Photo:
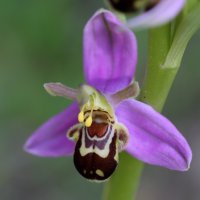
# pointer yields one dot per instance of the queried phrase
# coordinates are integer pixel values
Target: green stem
(158, 81)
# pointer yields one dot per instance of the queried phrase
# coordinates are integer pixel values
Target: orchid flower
(155, 12)
(104, 119)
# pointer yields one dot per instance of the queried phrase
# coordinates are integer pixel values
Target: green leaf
(189, 25)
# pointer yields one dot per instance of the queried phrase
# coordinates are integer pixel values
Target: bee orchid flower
(104, 119)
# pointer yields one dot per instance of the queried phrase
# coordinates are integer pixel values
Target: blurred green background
(40, 42)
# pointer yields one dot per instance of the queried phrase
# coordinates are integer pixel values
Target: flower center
(90, 99)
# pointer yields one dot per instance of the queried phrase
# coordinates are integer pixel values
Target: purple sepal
(153, 138)
(162, 13)
(50, 140)
(110, 55)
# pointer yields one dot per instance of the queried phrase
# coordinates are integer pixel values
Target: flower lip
(97, 146)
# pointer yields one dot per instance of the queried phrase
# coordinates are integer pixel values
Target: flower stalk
(158, 79)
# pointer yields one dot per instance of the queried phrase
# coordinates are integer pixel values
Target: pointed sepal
(58, 89)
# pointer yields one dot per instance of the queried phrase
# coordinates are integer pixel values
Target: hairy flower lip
(148, 129)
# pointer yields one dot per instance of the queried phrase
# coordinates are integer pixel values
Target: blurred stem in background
(166, 46)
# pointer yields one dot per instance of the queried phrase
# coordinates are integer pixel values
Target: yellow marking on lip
(99, 172)
(84, 171)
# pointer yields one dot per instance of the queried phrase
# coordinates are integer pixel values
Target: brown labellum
(96, 150)
(93, 166)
